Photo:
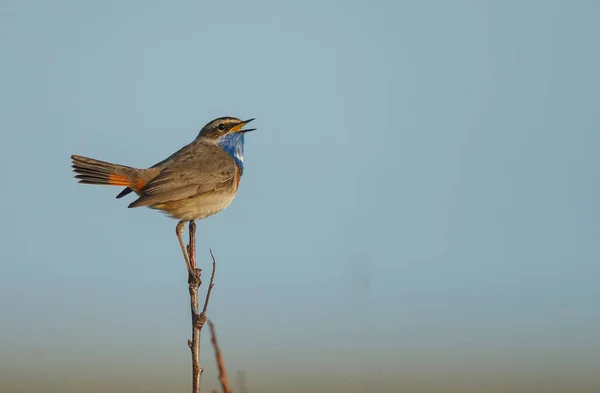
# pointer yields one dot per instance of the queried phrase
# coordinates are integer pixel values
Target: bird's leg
(179, 231)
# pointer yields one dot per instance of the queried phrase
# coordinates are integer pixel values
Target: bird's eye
(221, 127)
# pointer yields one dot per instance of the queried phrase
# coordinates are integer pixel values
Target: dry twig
(220, 361)
(198, 318)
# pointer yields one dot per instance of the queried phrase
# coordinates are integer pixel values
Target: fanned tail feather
(91, 171)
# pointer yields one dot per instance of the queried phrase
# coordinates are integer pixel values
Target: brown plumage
(199, 180)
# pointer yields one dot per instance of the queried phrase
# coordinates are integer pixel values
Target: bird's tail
(90, 171)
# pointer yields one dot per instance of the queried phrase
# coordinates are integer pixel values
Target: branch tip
(220, 361)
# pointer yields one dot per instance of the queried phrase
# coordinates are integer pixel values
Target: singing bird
(199, 180)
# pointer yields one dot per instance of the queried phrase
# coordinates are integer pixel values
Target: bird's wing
(197, 170)
(159, 165)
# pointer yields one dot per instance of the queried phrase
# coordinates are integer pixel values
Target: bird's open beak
(238, 128)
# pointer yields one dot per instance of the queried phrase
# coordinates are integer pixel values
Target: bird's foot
(194, 277)
(200, 320)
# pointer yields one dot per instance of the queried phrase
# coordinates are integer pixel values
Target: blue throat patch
(233, 144)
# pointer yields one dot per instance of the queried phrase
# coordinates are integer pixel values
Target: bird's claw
(194, 277)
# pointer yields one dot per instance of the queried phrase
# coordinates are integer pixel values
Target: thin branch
(220, 361)
(194, 281)
(192, 244)
(211, 284)
(198, 318)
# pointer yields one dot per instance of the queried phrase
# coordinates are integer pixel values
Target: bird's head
(221, 127)
(228, 133)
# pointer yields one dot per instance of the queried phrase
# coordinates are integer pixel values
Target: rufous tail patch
(120, 180)
(117, 180)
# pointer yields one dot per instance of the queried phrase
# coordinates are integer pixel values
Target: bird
(199, 180)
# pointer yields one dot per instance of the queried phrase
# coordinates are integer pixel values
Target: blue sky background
(422, 192)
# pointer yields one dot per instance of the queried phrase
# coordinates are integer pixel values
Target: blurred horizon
(419, 205)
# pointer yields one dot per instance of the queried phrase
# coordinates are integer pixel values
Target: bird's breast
(199, 206)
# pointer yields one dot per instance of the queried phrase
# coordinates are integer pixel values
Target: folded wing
(198, 169)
